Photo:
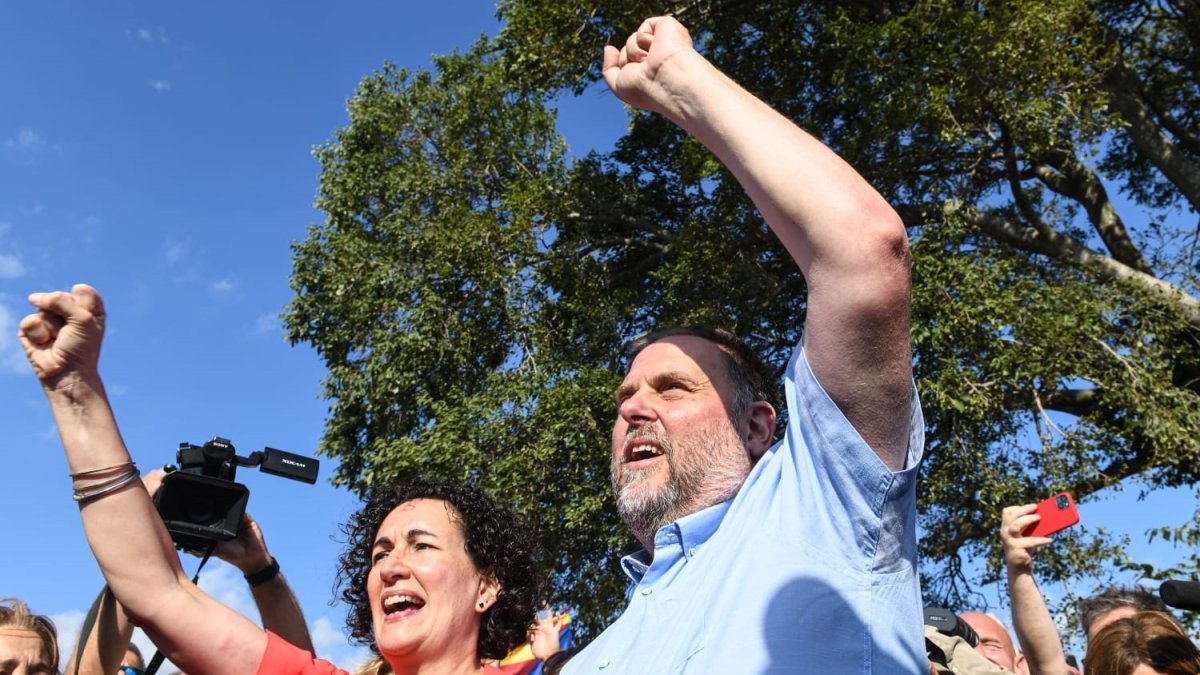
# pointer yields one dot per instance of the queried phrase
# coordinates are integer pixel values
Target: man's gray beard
(717, 467)
(646, 511)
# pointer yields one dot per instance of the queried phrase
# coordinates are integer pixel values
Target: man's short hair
(751, 379)
(1116, 597)
(14, 613)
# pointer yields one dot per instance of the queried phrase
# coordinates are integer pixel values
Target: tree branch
(1058, 247)
(1064, 174)
(1117, 470)
(624, 221)
(1014, 181)
(1076, 402)
(1124, 87)
(1183, 136)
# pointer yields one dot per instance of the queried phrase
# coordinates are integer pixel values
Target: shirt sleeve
(839, 496)
(284, 658)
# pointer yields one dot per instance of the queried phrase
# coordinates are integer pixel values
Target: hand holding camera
(247, 551)
(201, 503)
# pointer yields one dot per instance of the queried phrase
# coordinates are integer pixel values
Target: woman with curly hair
(1147, 643)
(439, 578)
(497, 575)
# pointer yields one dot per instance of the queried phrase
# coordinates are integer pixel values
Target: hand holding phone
(1057, 513)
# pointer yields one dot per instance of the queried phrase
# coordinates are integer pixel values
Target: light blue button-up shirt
(810, 568)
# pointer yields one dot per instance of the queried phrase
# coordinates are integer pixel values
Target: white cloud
(27, 139)
(226, 585)
(222, 286)
(11, 267)
(174, 252)
(325, 637)
(12, 357)
(25, 147)
(50, 433)
(67, 624)
(160, 86)
(266, 324)
(332, 645)
(352, 659)
(149, 36)
(8, 325)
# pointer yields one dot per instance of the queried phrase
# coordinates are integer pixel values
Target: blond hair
(14, 613)
(376, 666)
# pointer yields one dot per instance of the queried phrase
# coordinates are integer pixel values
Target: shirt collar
(684, 535)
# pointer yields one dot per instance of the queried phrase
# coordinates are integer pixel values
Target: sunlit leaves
(470, 287)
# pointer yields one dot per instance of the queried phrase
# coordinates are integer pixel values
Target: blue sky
(161, 151)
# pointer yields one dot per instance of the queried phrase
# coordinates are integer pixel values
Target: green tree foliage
(471, 287)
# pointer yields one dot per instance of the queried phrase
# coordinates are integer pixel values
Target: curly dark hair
(496, 542)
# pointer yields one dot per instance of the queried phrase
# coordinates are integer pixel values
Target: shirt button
(604, 663)
(647, 591)
(691, 551)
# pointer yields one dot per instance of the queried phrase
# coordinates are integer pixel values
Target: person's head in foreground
(436, 570)
(694, 414)
(1147, 643)
(28, 642)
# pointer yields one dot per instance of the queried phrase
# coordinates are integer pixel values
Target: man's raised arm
(849, 243)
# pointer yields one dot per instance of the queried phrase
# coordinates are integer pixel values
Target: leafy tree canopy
(471, 286)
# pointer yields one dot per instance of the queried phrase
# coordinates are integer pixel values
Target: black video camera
(947, 622)
(199, 500)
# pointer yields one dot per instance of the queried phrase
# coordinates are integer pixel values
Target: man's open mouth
(642, 447)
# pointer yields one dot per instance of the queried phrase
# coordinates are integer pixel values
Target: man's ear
(758, 428)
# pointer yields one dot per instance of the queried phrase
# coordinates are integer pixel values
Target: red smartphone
(1057, 512)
